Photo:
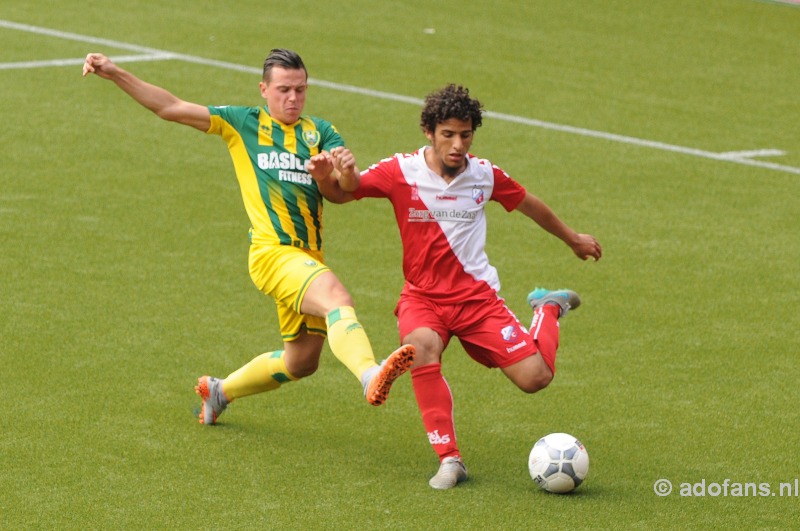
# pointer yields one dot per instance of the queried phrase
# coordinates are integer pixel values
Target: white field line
(736, 157)
(79, 61)
(753, 153)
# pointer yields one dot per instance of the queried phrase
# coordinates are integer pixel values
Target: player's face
(285, 93)
(450, 144)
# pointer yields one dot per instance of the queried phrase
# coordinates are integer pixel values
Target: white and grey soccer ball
(558, 463)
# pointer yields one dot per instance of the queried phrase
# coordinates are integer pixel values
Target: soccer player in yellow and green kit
(270, 147)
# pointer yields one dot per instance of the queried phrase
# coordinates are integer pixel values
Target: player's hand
(344, 161)
(320, 166)
(99, 64)
(586, 246)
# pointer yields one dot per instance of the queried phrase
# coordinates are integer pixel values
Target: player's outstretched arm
(584, 246)
(162, 102)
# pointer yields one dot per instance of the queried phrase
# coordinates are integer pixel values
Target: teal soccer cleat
(565, 298)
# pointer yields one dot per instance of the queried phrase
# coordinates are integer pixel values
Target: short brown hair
(283, 58)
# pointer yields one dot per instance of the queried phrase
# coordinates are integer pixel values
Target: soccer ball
(558, 463)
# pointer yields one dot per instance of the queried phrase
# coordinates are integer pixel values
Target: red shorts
(487, 329)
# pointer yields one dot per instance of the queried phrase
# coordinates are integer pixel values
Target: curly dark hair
(283, 58)
(453, 101)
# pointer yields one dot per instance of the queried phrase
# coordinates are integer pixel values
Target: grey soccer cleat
(214, 399)
(451, 472)
(565, 298)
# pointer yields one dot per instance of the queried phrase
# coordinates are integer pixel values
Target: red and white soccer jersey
(443, 225)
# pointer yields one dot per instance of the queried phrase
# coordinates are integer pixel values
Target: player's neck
(439, 168)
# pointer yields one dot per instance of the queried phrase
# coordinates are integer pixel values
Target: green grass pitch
(667, 129)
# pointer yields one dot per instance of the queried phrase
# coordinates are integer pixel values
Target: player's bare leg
(530, 374)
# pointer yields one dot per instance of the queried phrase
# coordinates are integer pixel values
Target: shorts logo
(477, 195)
(310, 263)
(509, 333)
(516, 347)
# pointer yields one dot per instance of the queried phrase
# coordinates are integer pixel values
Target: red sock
(435, 402)
(544, 330)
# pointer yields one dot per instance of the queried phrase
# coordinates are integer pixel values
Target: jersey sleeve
(329, 135)
(507, 191)
(234, 116)
(377, 180)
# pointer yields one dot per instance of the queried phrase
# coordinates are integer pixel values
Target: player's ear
(429, 135)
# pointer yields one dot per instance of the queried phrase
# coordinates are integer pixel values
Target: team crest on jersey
(477, 195)
(311, 138)
(509, 333)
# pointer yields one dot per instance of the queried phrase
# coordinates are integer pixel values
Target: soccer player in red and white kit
(439, 193)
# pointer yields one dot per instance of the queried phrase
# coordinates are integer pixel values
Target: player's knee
(305, 369)
(302, 366)
(536, 382)
(531, 374)
(426, 355)
(334, 292)
(325, 293)
(428, 345)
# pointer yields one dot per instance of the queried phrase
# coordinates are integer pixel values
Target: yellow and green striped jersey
(281, 198)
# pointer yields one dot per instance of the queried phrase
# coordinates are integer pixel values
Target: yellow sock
(348, 341)
(264, 373)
